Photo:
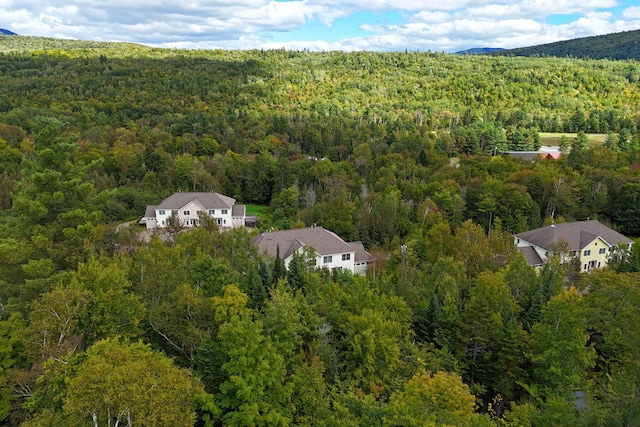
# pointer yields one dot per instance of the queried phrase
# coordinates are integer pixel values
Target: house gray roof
(361, 254)
(524, 155)
(206, 200)
(238, 210)
(531, 255)
(323, 241)
(150, 212)
(577, 234)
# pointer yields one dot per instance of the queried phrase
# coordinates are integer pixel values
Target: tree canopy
(104, 323)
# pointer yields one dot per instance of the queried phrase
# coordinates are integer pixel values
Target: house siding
(188, 216)
(594, 259)
(162, 215)
(360, 268)
(345, 256)
(338, 262)
(224, 217)
(151, 223)
(593, 254)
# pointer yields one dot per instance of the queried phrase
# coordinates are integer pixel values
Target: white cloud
(530, 9)
(401, 5)
(632, 12)
(239, 24)
(429, 17)
(605, 16)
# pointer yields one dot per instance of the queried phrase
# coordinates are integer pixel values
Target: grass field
(551, 138)
(259, 210)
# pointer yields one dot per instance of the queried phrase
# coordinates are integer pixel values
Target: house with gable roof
(330, 250)
(591, 241)
(188, 206)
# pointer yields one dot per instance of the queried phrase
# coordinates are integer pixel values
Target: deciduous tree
(119, 383)
(431, 400)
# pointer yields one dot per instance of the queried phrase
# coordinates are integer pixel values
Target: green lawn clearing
(260, 211)
(553, 138)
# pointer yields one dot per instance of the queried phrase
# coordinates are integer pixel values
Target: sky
(317, 25)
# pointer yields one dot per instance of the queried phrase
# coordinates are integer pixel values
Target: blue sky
(376, 25)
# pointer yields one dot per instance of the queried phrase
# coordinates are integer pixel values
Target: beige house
(189, 206)
(330, 250)
(591, 241)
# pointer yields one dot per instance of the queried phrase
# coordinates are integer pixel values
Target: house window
(212, 211)
(346, 257)
(327, 259)
(225, 211)
(174, 212)
(602, 251)
(586, 252)
(161, 212)
(186, 213)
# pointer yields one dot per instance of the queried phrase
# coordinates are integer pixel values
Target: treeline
(620, 46)
(240, 96)
(389, 149)
(201, 330)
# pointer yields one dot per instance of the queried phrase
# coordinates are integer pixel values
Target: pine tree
(580, 141)
(295, 274)
(279, 270)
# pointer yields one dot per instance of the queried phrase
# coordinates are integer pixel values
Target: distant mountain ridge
(624, 45)
(478, 50)
(7, 32)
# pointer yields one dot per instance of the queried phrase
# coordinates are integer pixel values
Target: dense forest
(623, 45)
(99, 327)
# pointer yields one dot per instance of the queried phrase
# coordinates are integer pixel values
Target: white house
(590, 241)
(188, 206)
(331, 251)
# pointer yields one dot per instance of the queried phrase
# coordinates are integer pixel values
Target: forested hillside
(624, 45)
(99, 327)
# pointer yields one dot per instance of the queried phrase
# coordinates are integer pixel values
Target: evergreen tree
(265, 274)
(563, 144)
(426, 320)
(279, 270)
(295, 273)
(580, 142)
